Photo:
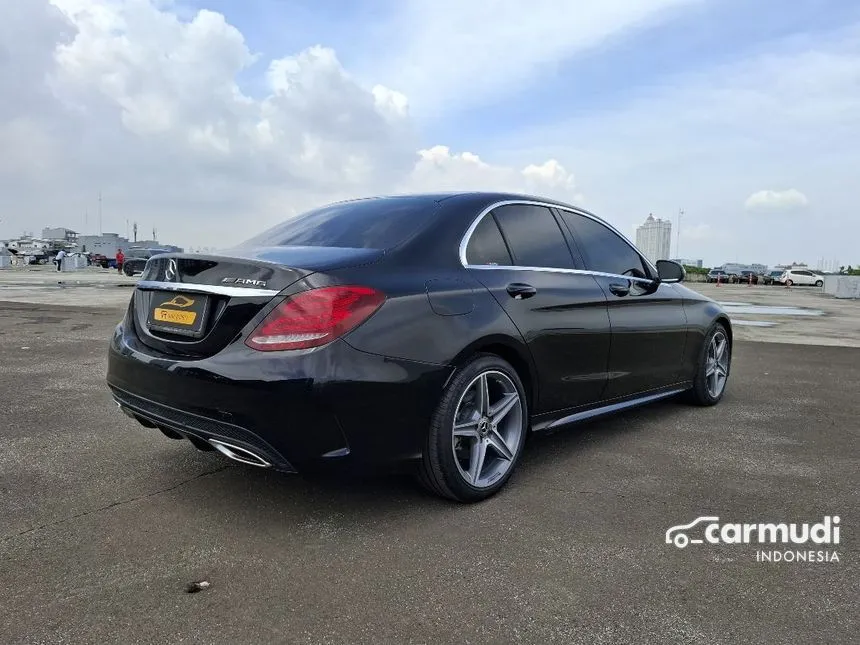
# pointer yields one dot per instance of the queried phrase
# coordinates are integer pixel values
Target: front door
(649, 326)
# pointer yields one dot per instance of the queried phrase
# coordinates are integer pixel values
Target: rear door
(649, 327)
(519, 253)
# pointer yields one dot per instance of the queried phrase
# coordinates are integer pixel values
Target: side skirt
(556, 420)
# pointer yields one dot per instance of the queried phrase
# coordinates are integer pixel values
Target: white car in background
(801, 277)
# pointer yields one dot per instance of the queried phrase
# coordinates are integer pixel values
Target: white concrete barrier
(74, 262)
(842, 286)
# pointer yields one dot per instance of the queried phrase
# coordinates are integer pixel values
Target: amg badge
(246, 281)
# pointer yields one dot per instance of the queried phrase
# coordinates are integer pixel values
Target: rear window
(364, 224)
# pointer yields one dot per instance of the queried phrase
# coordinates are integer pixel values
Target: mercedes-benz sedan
(436, 331)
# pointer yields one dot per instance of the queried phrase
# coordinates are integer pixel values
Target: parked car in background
(135, 259)
(717, 274)
(99, 260)
(772, 277)
(801, 277)
(744, 277)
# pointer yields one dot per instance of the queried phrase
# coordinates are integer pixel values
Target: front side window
(602, 248)
(533, 236)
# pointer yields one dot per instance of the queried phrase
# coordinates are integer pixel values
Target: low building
(154, 244)
(28, 245)
(60, 234)
(737, 267)
(690, 263)
(105, 244)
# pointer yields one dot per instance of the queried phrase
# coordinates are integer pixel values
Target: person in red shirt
(120, 258)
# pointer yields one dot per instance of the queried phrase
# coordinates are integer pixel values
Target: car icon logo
(677, 536)
(178, 301)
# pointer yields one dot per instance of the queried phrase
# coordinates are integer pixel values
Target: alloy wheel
(717, 364)
(488, 428)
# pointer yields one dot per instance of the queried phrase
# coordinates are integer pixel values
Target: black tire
(789, 283)
(699, 393)
(819, 283)
(129, 271)
(438, 471)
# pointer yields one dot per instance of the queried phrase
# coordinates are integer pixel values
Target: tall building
(829, 266)
(654, 238)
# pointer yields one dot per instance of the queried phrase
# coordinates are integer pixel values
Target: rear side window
(362, 224)
(486, 245)
(603, 249)
(533, 236)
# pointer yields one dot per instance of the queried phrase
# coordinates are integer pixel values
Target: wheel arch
(724, 320)
(510, 350)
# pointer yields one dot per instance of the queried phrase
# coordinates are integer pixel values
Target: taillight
(316, 317)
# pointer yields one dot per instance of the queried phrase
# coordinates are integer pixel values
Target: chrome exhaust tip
(242, 455)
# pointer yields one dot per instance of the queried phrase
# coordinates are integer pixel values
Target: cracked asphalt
(104, 523)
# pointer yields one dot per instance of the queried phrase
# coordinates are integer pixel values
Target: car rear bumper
(294, 411)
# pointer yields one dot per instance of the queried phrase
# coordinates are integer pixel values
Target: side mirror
(670, 271)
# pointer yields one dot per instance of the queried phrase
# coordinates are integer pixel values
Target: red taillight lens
(316, 317)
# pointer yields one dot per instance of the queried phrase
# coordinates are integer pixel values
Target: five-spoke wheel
(488, 425)
(715, 363)
(477, 433)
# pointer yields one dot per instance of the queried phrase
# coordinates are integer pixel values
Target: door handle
(520, 290)
(619, 289)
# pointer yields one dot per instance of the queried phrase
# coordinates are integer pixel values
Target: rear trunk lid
(193, 305)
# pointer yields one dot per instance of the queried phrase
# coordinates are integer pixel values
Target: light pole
(678, 243)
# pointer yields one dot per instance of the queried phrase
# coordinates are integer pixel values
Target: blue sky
(745, 114)
(655, 55)
(691, 37)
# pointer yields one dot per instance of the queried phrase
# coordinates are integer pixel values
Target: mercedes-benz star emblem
(171, 271)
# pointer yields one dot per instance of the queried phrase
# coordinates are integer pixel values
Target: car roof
(473, 194)
(476, 198)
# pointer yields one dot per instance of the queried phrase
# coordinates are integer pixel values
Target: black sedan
(136, 259)
(433, 331)
(745, 277)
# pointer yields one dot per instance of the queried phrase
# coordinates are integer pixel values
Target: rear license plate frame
(168, 301)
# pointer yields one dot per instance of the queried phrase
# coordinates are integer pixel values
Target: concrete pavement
(103, 522)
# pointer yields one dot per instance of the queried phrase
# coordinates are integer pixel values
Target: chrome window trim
(485, 267)
(464, 243)
(191, 287)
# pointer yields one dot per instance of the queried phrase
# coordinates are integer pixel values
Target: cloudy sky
(213, 119)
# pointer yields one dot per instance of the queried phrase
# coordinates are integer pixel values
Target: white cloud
(776, 200)
(706, 139)
(439, 169)
(127, 98)
(183, 126)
